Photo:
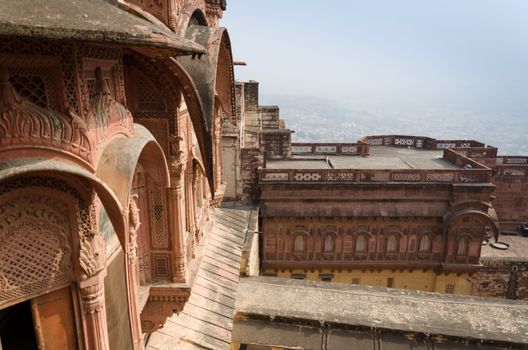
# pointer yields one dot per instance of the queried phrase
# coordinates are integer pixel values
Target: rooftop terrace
(381, 157)
(327, 163)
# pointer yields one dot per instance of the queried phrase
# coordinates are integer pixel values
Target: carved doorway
(16, 328)
(45, 322)
(36, 266)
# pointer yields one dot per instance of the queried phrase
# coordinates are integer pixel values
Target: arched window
(392, 244)
(361, 244)
(329, 244)
(197, 19)
(425, 244)
(298, 246)
(462, 247)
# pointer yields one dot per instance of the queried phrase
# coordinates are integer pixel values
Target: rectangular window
(450, 289)
(390, 282)
(355, 280)
(298, 276)
(326, 277)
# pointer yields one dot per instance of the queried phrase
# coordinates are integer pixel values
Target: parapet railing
(359, 148)
(461, 160)
(477, 152)
(419, 142)
(512, 160)
(511, 166)
(511, 170)
(482, 175)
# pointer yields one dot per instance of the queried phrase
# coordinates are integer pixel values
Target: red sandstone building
(377, 212)
(110, 160)
(398, 211)
(112, 116)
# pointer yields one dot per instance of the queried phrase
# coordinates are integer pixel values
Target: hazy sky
(458, 52)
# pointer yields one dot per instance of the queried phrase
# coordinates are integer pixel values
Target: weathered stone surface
(388, 309)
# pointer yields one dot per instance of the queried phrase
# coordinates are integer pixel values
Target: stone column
(94, 313)
(92, 263)
(132, 270)
(177, 224)
(190, 214)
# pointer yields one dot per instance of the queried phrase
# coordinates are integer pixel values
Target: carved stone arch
(44, 224)
(185, 18)
(73, 174)
(490, 217)
(214, 78)
(118, 162)
(198, 18)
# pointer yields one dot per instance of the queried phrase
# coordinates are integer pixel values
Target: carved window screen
(360, 244)
(158, 216)
(110, 77)
(36, 78)
(462, 247)
(425, 244)
(329, 244)
(299, 244)
(34, 243)
(149, 97)
(392, 244)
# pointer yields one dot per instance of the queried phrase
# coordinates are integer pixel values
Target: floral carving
(92, 254)
(23, 123)
(134, 224)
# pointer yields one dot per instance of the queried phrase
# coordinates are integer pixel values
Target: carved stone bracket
(162, 303)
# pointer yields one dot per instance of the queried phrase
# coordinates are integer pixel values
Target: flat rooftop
(381, 157)
(518, 250)
(393, 309)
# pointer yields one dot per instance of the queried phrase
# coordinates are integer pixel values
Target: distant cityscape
(321, 120)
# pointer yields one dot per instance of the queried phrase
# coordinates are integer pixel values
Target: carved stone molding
(94, 313)
(213, 12)
(92, 298)
(24, 124)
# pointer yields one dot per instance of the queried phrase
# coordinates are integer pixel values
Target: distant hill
(316, 119)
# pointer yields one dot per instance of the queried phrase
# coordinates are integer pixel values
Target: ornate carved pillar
(177, 224)
(94, 313)
(132, 270)
(190, 213)
(194, 192)
(92, 260)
